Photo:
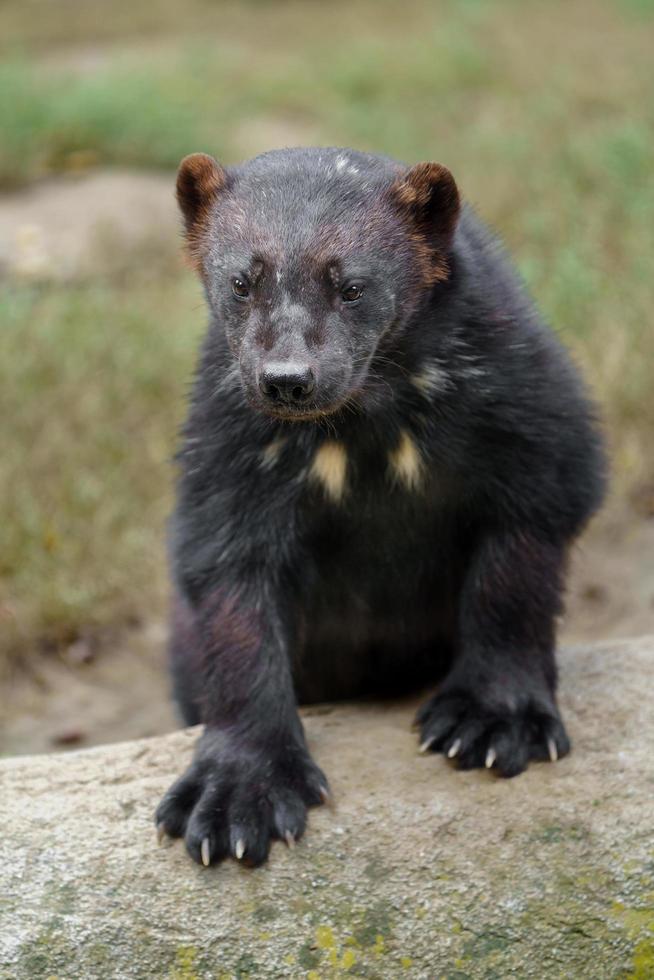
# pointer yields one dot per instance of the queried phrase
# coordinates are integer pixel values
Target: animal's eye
(240, 288)
(351, 294)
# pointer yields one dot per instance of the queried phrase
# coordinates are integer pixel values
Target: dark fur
(285, 594)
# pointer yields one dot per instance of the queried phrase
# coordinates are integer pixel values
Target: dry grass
(89, 416)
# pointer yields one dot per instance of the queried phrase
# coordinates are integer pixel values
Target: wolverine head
(312, 261)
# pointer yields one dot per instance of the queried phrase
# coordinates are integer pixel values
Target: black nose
(287, 382)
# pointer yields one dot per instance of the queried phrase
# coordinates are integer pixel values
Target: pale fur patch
(405, 462)
(329, 468)
(430, 379)
(270, 454)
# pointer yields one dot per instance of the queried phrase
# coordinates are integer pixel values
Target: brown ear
(200, 179)
(429, 194)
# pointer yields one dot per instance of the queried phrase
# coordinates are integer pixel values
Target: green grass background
(544, 112)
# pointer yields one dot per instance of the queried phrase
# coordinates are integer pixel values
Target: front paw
(460, 726)
(235, 801)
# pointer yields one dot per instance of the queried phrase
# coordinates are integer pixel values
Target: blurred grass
(90, 394)
(543, 111)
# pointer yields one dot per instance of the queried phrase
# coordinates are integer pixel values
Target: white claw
(239, 850)
(551, 748)
(161, 833)
(491, 756)
(454, 748)
(324, 796)
(290, 840)
(426, 745)
(205, 852)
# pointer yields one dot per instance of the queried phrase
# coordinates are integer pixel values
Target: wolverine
(387, 458)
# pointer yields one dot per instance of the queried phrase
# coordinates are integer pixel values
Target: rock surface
(419, 871)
